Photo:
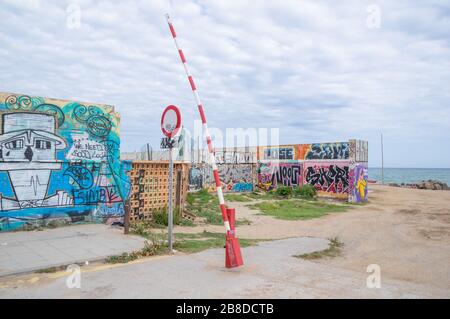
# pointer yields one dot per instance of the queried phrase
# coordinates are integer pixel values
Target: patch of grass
(192, 243)
(359, 204)
(121, 259)
(237, 198)
(205, 205)
(298, 209)
(334, 249)
(305, 191)
(186, 222)
(152, 247)
(48, 270)
(262, 195)
(283, 191)
(243, 221)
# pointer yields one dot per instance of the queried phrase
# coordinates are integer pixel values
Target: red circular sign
(171, 121)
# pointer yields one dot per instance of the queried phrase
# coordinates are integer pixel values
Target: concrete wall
(59, 160)
(358, 171)
(234, 177)
(337, 169)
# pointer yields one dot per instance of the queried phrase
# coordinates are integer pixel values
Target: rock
(394, 185)
(429, 185)
(432, 185)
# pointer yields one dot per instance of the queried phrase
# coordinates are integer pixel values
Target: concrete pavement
(270, 271)
(27, 251)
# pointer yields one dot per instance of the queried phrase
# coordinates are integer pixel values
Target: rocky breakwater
(430, 184)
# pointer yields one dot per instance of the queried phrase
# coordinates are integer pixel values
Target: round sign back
(171, 121)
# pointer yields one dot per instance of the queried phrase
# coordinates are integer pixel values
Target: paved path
(27, 251)
(270, 271)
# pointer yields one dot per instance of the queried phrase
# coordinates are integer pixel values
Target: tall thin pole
(170, 215)
(205, 129)
(382, 161)
(148, 152)
(199, 161)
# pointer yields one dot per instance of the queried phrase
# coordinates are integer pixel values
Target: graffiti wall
(359, 151)
(329, 178)
(332, 168)
(234, 177)
(358, 177)
(234, 157)
(59, 159)
(195, 178)
(324, 151)
(281, 152)
(273, 174)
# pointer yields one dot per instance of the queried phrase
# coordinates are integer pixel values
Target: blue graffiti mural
(59, 160)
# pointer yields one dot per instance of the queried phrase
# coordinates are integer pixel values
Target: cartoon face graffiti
(28, 146)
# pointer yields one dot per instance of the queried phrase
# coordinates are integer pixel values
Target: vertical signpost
(170, 126)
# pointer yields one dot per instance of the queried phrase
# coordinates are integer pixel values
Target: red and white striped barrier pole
(235, 251)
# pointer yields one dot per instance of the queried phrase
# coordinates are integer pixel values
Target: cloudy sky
(320, 71)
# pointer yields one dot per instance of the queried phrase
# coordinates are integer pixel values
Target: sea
(410, 175)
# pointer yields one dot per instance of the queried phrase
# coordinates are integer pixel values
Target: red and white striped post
(232, 243)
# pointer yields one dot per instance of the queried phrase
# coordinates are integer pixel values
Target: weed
(306, 191)
(191, 243)
(283, 191)
(334, 249)
(243, 221)
(155, 245)
(47, 270)
(237, 198)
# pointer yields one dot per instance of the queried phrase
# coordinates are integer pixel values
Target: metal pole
(148, 152)
(170, 214)
(382, 161)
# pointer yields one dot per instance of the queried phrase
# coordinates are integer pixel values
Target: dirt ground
(405, 231)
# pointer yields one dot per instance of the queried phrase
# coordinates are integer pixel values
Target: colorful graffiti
(236, 178)
(329, 178)
(324, 151)
(195, 178)
(273, 174)
(358, 177)
(60, 155)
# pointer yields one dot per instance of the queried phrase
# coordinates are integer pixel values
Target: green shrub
(190, 198)
(306, 191)
(284, 191)
(160, 217)
(203, 192)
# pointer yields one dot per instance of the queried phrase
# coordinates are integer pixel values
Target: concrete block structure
(59, 160)
(338, 170)
(150, 185)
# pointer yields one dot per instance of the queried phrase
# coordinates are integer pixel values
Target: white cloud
(312, 68)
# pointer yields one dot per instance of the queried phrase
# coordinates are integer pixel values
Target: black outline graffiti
(328, 151)
(331, 178)
(81, 175)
